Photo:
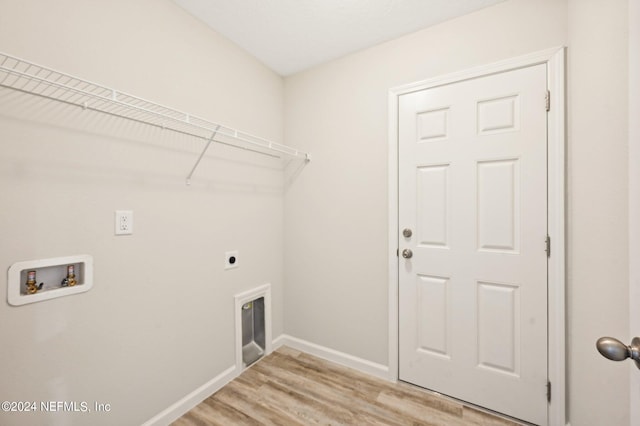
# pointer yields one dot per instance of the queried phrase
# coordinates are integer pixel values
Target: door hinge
(547, 100)
(548, 391)
(548, 246)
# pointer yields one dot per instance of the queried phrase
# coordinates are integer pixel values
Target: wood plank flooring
(289, 387)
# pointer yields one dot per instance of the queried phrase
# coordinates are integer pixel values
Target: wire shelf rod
(34, 79)
(235, 134)
(159, 126)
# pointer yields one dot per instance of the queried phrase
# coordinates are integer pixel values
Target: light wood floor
(293, 388)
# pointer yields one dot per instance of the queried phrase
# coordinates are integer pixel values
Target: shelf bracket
(206, 147)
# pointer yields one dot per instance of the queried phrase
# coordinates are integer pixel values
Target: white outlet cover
(231, 259)
(124, 222)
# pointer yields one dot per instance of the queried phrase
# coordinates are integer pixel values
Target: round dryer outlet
(231, 259)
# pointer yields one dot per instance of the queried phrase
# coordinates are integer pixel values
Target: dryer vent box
(253, 331)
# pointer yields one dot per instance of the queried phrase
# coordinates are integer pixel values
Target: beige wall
(336, 211)
(159, 321)
(597, 209)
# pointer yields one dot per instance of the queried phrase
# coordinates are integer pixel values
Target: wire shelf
(27, 77)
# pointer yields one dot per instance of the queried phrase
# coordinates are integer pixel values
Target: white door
(473, 283)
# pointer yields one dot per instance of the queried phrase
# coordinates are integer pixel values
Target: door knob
(615, 350)
(407, 254)
(407, 233)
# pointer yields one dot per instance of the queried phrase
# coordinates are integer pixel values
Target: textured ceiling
(292, 35)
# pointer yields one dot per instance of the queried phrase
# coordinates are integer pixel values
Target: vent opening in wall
(253, 333)
(253, 326)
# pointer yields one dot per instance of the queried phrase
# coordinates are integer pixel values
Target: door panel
(473, 297)
(432, 204)
(433, 310)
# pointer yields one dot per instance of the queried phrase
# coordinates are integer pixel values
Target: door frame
(555, 60)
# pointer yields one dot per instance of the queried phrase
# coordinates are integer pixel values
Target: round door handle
(407, 233)
(615, 350)
(407, 254)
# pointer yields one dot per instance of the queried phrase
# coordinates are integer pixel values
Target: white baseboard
(363, 365)
(176, 410)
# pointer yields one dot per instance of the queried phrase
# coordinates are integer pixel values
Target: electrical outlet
(124, 222)
(231, 259)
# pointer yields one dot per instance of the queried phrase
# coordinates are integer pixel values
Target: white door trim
(555, 61)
